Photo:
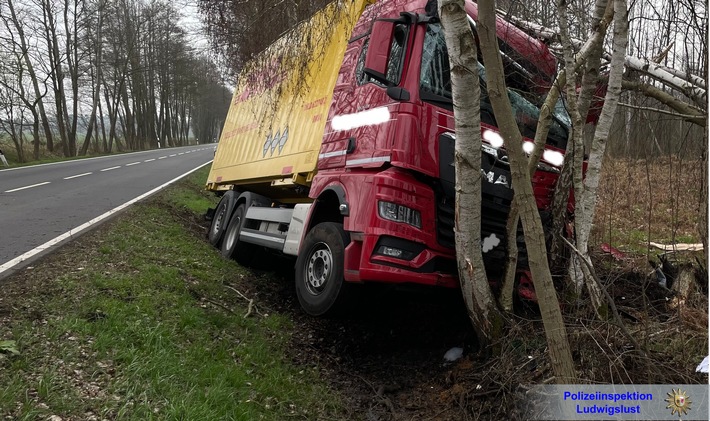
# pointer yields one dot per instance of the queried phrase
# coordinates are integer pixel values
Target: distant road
(42, 202)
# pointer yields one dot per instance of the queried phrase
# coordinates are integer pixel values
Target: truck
(338, 150)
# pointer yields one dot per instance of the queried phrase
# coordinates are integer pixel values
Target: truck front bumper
(383, 250)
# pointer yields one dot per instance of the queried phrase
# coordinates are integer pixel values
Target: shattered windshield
(435, 87)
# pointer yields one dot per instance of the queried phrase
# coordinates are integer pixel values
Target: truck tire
(231, 246)
(320, 284)
(221, 218)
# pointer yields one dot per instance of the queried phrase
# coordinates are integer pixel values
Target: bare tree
(16, 36)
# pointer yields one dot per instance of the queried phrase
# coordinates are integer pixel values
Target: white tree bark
(543, 127)
(688, 86)
(586, 197)
(578, 109)
(480, 303)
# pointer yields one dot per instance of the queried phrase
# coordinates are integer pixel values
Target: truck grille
(445, 221)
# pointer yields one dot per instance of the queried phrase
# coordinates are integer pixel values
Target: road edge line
(89, 158)
(75, 231)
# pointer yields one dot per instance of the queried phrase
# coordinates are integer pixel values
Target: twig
(250, 307)
(219, 305)
(660, 111)
(612, 305)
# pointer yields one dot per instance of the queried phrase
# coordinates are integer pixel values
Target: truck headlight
(399, 213)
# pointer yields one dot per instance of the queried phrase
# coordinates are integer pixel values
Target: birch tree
(480, 303)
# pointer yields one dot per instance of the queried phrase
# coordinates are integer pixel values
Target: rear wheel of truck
(320, 284)
(232, 247)
(221, 218)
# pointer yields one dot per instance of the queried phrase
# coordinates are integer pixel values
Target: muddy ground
(387, 355)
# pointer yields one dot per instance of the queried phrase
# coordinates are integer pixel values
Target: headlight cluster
(399, 213)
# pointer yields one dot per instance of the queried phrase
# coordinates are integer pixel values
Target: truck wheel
(320, 285)
(231, 246)
(221, 218)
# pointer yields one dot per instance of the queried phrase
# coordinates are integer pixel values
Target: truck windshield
(435, 87)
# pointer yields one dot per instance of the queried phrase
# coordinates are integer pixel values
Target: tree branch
(658, 110)
(664, 97)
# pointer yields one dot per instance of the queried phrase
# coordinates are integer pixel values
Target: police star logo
(678, 402)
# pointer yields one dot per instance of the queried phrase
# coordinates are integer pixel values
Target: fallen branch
(678, 247)
(250, 307)
(698, 117)
(222, 306)
(692, 86)
(612, 305)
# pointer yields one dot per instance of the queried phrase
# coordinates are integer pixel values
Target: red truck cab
(387, 155)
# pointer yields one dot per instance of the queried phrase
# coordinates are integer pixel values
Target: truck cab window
(361, 76)
(395, 62)
(435, 77)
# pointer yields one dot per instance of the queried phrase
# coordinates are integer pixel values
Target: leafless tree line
(103, 74)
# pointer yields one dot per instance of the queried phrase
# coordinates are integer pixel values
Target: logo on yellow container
(276, 141)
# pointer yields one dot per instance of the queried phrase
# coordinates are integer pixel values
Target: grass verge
(134, 322)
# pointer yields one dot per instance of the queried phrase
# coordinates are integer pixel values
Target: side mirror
(378, 50)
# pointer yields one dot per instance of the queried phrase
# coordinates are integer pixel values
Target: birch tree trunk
(577, 270)
(555, 332)
(480, 303)
(587, 197)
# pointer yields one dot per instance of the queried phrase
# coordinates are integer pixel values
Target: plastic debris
(453, 354)
(704, 365)
(660, 277)
(616, 253)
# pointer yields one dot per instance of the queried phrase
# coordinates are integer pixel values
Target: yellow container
(274, 128)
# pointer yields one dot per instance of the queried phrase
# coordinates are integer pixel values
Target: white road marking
(77, 176)
(112, 168)
(74, 161)
(27, 187)
(73, 232)
(132, 163)
(181, 153)
(173, 155)
(149, 160)
(162, 157)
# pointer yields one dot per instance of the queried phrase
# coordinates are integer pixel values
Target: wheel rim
(319, 268)
(232, 233)
(218, 220)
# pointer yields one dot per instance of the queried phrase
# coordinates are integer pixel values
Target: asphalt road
(42, 202)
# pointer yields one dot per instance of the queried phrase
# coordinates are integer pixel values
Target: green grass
(128, 330)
